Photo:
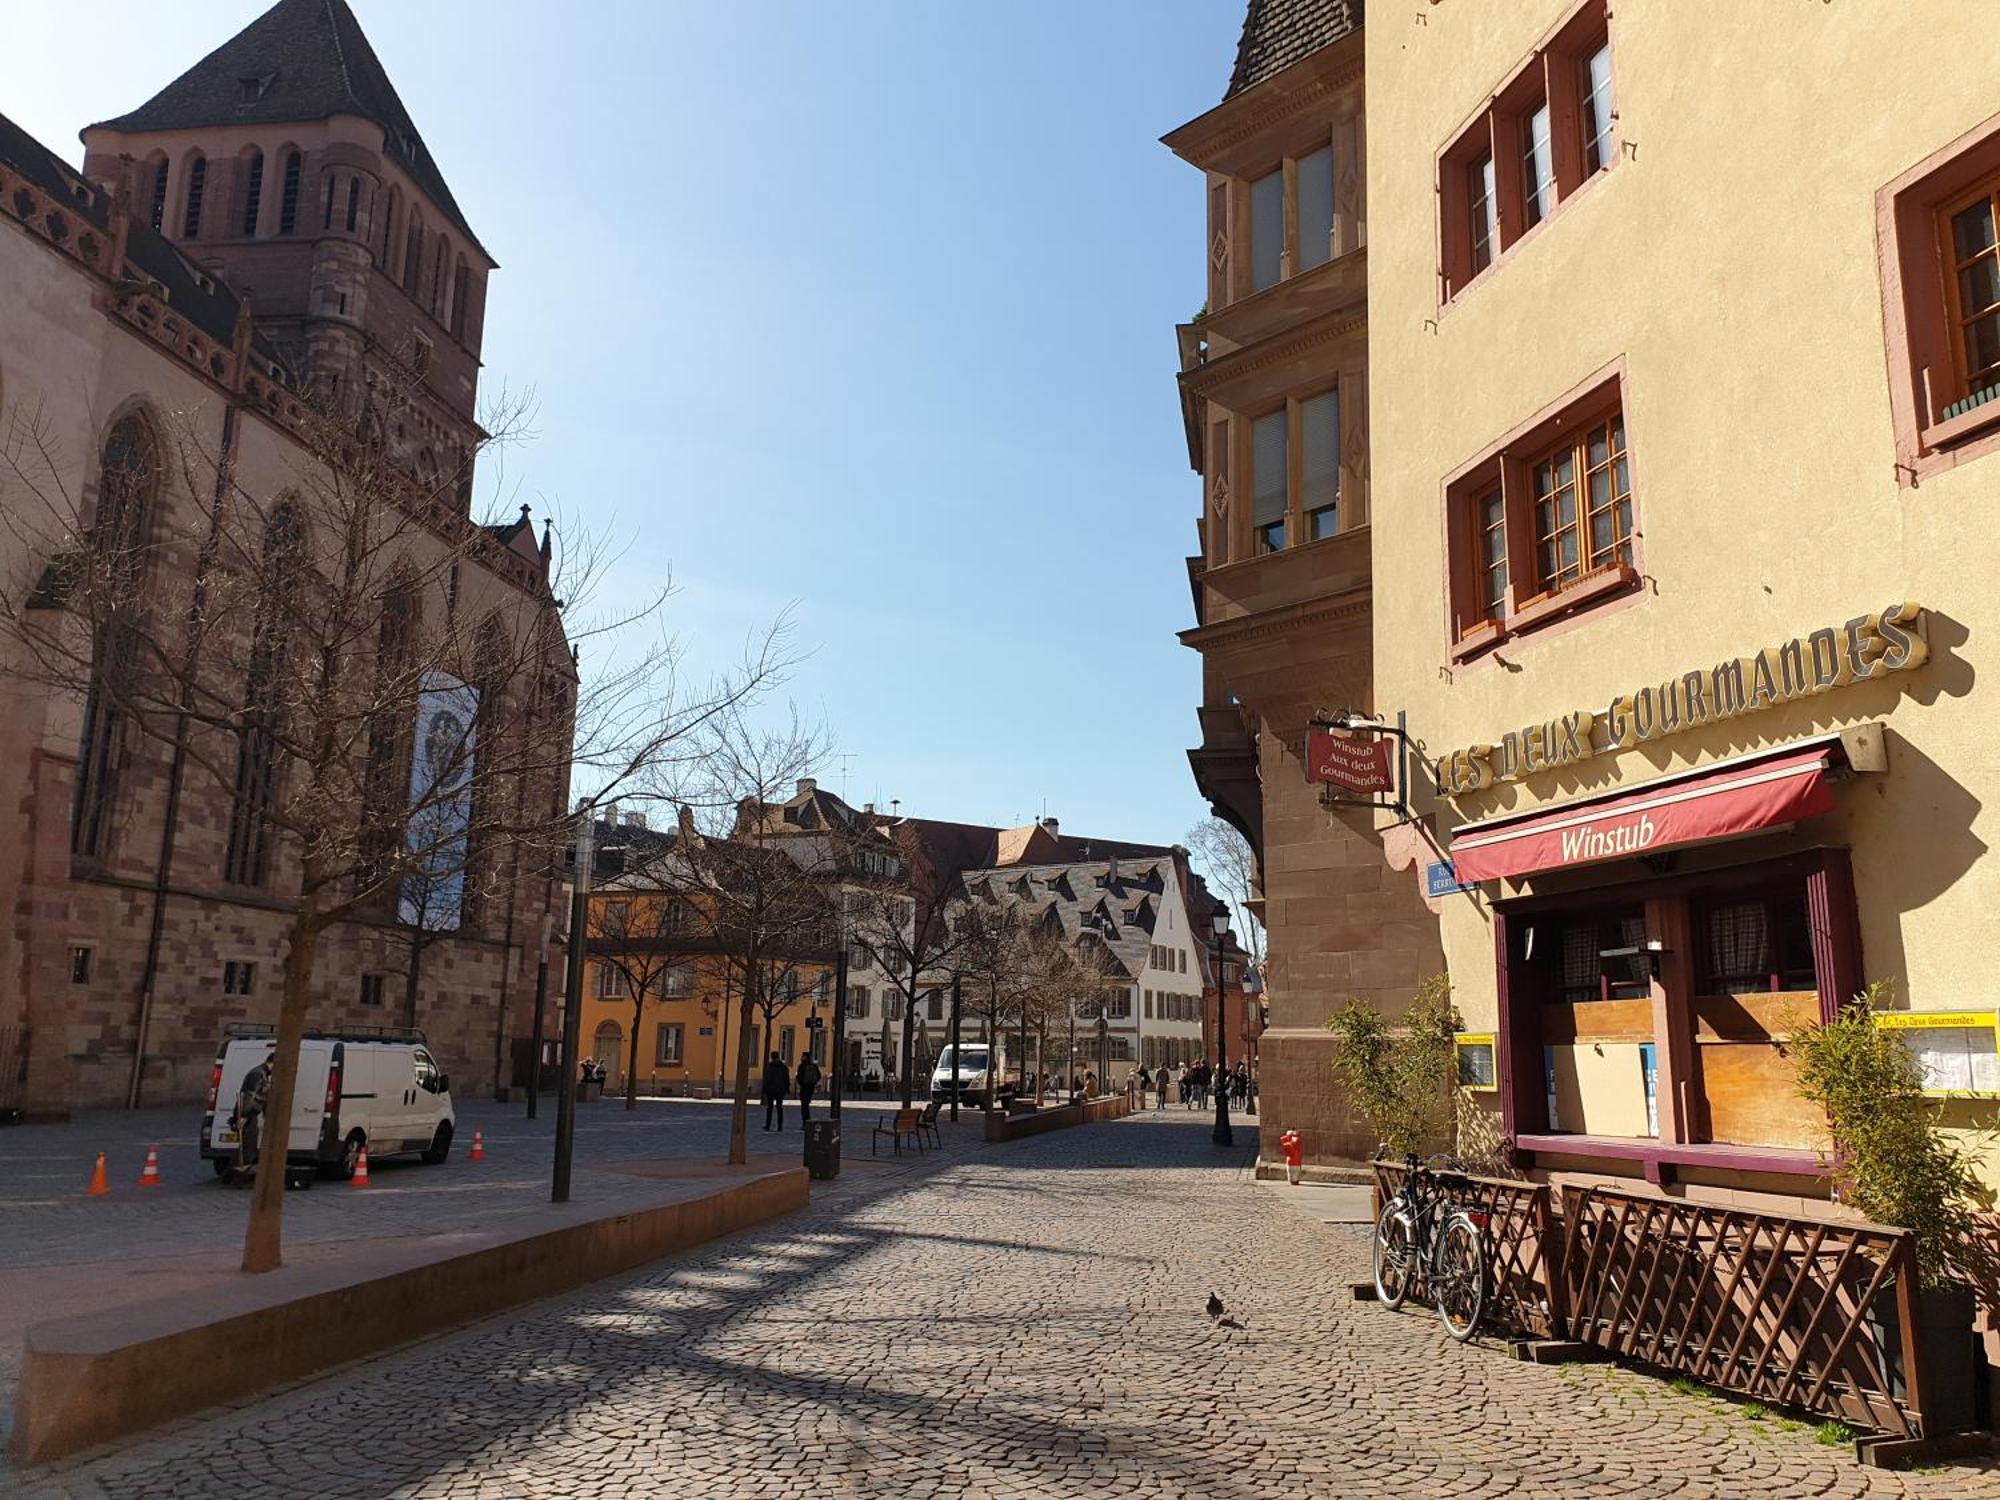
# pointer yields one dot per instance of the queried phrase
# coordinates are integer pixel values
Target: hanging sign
(1866, 647)
(1364, 764)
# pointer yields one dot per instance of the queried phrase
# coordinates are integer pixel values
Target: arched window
(197, 185)
(353, 202)
(127, 484)
(253, 191)
(461, 284)
(394, 199)
(247, 856)
(326, 219)
(413, 255)
(437, 277)
(156, 214)
(288, 207)
(391, 721)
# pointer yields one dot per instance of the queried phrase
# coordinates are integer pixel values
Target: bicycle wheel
(1458, 1275)
(1395, 1254)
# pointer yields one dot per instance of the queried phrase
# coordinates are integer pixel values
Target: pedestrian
(1145, 1082)
(1160, 1082)
(777, 1084)
(808, 1081)
(1090, 1084)
(248, 1119)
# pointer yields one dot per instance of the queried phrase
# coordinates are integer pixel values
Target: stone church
(269, 229)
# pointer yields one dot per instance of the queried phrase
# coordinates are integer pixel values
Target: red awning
(1743, 797)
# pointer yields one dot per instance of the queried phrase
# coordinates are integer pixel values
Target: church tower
(285, 163)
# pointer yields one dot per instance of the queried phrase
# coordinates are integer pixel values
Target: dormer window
(250, 90)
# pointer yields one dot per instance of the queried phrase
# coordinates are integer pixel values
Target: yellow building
(1681, 350)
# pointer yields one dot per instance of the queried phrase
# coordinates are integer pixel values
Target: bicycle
(1421, 1231)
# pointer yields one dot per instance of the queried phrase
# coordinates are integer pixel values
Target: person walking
(1160, 1081)
(808, 1081)
(777, 1084)
(249, 1120)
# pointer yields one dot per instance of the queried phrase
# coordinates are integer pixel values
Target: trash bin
(822, 1149)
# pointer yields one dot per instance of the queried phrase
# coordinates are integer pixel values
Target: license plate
(226, 1138)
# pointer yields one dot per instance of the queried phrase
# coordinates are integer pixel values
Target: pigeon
(1214, 1305)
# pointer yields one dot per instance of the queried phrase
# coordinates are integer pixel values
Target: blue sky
(866, 307)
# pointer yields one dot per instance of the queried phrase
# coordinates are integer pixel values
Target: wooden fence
(1796, 1311)
(1520, 1244)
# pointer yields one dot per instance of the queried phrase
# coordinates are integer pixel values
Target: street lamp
(1222, 1135)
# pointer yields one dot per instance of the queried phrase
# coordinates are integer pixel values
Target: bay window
(1295, 472)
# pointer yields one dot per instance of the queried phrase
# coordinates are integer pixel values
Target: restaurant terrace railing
(1520, 1246)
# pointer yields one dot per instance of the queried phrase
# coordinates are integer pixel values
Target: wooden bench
(905, 1124)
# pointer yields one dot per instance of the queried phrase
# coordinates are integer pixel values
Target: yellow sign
(1867, 646)
(1959, 1050)
(1477, 1068)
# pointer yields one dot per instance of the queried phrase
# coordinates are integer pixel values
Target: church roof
(301, 60)
(1278, 33)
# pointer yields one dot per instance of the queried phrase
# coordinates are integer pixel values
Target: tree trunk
(263, 1237)
(632, 1062)
(739, 1109)
(909, 1035)
(410, 979)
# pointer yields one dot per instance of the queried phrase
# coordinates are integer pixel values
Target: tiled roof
(1278, 33)
(313, 62)
(1103, 900)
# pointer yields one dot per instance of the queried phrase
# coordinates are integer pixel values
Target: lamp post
(572, 1032)
(1103, 1047)
(1222, 1135)
(837, 1063)
(541, 1003)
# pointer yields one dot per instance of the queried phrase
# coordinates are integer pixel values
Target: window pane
(1491, 515)
(1319, 460)
(1267, 229)
(1597, 109)
(1268, 481)
(1979, 285)
(1972, 230)
(1316, 208)
(1982, 344)
(1485, 224)
(1538, 168)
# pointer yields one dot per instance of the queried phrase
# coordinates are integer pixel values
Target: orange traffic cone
(478, 1151)
(150, 1176)
(99, 1183)
(360, 1177)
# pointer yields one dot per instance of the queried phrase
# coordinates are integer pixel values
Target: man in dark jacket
(777, 1084)
(809, 1076)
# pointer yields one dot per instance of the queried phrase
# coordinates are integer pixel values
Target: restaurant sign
(1363, 764)
(1866, 647)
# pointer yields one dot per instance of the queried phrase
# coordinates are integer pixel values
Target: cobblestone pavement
(1023, 1321)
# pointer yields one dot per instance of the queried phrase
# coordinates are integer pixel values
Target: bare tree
(768, 905)
(644, 929)
(284, 606)
(1230, 865)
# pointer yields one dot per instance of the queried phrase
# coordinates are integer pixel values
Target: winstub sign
(1866, 647)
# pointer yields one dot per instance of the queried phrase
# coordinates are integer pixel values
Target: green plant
(1755, 1412)
(1890, 1159)
(1404, 1077)
(1832, 1434)
(1680, 1385)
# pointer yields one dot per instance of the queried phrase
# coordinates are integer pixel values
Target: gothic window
(388, 229)
(197, 185)
(288, 207)
(437, 278)
(326, 219)
(413, 257)
(157, 213)
(127, 483)
(353, 202)
(247, 857)
(461, 283)
(253, 191)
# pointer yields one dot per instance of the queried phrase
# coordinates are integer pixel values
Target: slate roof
(1114, 903)
(192, 293)
(1278, 33)
(318, 63)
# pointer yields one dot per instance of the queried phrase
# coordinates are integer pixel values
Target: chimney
(1111, 870)
(611, 816)
(807, 786)
(868, 808)
(1053, 826)
(635, 820)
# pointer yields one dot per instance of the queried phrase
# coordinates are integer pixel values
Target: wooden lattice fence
(1520, 1246)
(1797, 1311)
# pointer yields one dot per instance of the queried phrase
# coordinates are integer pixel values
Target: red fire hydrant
(1295, 1155)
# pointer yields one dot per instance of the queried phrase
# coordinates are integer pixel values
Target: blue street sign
(1441, 879)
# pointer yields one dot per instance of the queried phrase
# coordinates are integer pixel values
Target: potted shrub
(1893, 1162)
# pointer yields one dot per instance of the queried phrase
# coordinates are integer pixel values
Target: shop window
(1551, 126)
(1754, 945)
(1585, 973)
(1544, 524)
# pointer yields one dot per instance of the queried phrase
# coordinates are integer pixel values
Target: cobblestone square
(1016, 1321)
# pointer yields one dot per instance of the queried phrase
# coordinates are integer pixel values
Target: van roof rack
(415, 1034)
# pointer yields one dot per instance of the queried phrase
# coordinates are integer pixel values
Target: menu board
(1957, 1048)
(1476, 1066)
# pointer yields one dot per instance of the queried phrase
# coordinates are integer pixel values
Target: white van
(385, 1091)
(975, 1070)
